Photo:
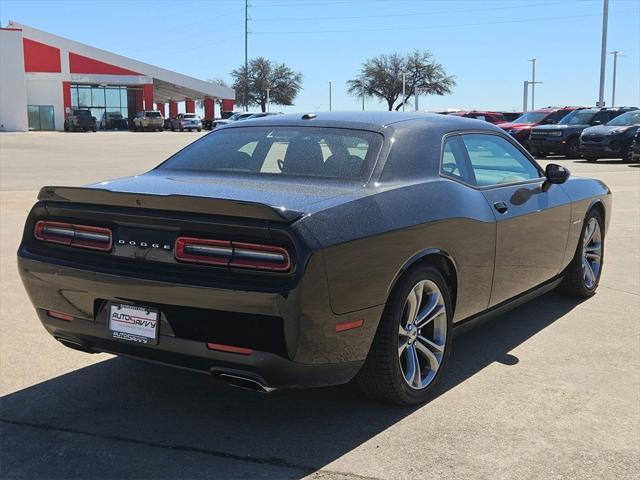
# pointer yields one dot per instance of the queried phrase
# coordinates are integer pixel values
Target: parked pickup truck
(80, 120)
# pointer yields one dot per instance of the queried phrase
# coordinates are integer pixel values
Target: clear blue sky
(485, 44)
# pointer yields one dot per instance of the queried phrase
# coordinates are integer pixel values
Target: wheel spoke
(594, 247)
(403, 346)
(434, 363)
(590, 276)
(594, 257)
(416, 380)
(430, 311)
(411, 365)
(430, 344)
(402, 331)
(413, 304)
(589, 232)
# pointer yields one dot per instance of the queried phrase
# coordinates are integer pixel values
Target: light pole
(603, 52)
(417, 96)
(404, 90)
(268, 90)
(525, 96)
(533, 83)
(616, 54)
(246, 55)
(329, 96)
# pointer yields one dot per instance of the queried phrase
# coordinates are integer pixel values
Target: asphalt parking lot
(549, 390)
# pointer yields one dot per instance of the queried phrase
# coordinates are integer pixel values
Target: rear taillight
(83, 236)
(232, 254)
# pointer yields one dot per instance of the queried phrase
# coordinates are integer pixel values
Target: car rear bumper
(303, 349)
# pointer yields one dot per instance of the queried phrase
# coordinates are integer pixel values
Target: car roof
(374, 120)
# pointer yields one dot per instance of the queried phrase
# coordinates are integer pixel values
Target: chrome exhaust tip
(74, 344)
(244, 382)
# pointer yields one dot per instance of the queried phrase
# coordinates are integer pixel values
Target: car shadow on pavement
(145, 412)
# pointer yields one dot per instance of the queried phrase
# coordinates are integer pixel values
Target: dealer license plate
(134, 323)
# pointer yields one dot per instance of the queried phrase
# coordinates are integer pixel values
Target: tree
(381, 77)
(283, 83)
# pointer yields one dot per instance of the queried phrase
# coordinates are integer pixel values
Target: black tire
(66, 127)
(94, 129)
(573, 283)
(181, 129)
(572, 148)
(626, 154)
(591, 159)
(381, 377)
(199, 129)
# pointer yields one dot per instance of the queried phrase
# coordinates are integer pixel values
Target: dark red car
(491, 117)
(521, 127)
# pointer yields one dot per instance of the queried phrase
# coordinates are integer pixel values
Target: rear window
(152, 114)
(189, 115)
(282, 151)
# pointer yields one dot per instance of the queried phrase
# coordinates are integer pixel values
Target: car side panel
(368, 242)
(584, 193)
(531, 237)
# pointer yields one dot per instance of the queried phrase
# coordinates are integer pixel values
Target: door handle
(501, 207)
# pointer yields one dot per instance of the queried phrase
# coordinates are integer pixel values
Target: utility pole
(603, 52)
(533, 83)
(268, 90)
(616, 54)
(246, 55)
(404, 90)
(525, 96)
(417, 96)
(329, 95)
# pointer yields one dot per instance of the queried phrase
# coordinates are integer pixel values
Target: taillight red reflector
(229, 348)
(232, 254)
(262, 257)
(341, 327)
(197, 250)
(60, 316)
(83, 236)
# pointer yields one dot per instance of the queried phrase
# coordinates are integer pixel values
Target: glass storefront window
(97, 97)
(40, 117)
(113, 97)
(107, 103)
(84, 96)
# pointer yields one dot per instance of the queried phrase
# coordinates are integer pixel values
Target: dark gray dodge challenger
(310, 250)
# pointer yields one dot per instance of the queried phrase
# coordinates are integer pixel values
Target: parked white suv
(186, 121)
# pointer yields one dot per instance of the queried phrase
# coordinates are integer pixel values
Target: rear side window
(455, 163)
(283, 151)
(495, 161)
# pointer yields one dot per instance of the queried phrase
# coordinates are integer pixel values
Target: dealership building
(43, 77)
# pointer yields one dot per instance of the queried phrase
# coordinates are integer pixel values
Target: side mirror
(596, 122)
(556, 174)
(550, 121)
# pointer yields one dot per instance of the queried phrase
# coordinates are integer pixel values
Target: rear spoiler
(179, 203)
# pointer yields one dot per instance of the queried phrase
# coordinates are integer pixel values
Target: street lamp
(268, 90)
(404, 90)
(533, 83)
(525, 95)
(616, 54)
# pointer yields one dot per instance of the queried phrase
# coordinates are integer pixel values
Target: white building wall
(46, 89)
(13, 90)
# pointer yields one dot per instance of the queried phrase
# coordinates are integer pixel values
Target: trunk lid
(282, 201)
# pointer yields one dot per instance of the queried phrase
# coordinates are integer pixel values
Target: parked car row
(575, 132)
